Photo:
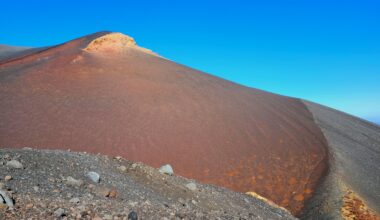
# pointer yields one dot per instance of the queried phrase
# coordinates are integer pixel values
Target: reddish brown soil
(354, 208)
(149, 109)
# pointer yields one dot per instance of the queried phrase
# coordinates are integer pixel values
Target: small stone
(74, 200)
(3, 207)
(132, 216)
(29, 205)
(89, 195)
(97, 218)
(147, 203)
(8, 201)
(103, 192)
(94, 176)
(191, 186)
(107, 217)
(15, 164)
(122, 168)
(7, 178)
(59, 213)
(132, 204)
(118, 157)
(166, 169)
(179, 215)
(36, 188)
(82, 208)
(113, 193)
(182, 201)
(133, 166)
(199, 215)
(73, 182)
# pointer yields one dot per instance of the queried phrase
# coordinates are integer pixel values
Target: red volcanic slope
(113, 97)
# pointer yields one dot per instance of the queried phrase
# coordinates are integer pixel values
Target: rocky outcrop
(114, 43)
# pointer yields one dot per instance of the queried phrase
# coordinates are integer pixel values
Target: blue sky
(324, 51)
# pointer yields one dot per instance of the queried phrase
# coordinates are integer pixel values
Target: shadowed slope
(126, 101)
(354, 146)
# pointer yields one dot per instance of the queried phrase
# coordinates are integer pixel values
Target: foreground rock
(4, 199)
(166, 169)
(73, 182)
(94, 176)
(141, 192)
(15, 164)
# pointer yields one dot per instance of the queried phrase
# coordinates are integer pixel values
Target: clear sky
(325, 51)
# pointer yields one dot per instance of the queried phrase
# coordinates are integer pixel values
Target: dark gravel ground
(42, 190)
(354, 148)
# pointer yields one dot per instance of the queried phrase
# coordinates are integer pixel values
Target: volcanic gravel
(45, 188)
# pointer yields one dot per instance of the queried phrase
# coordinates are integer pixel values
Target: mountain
(102, 93)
